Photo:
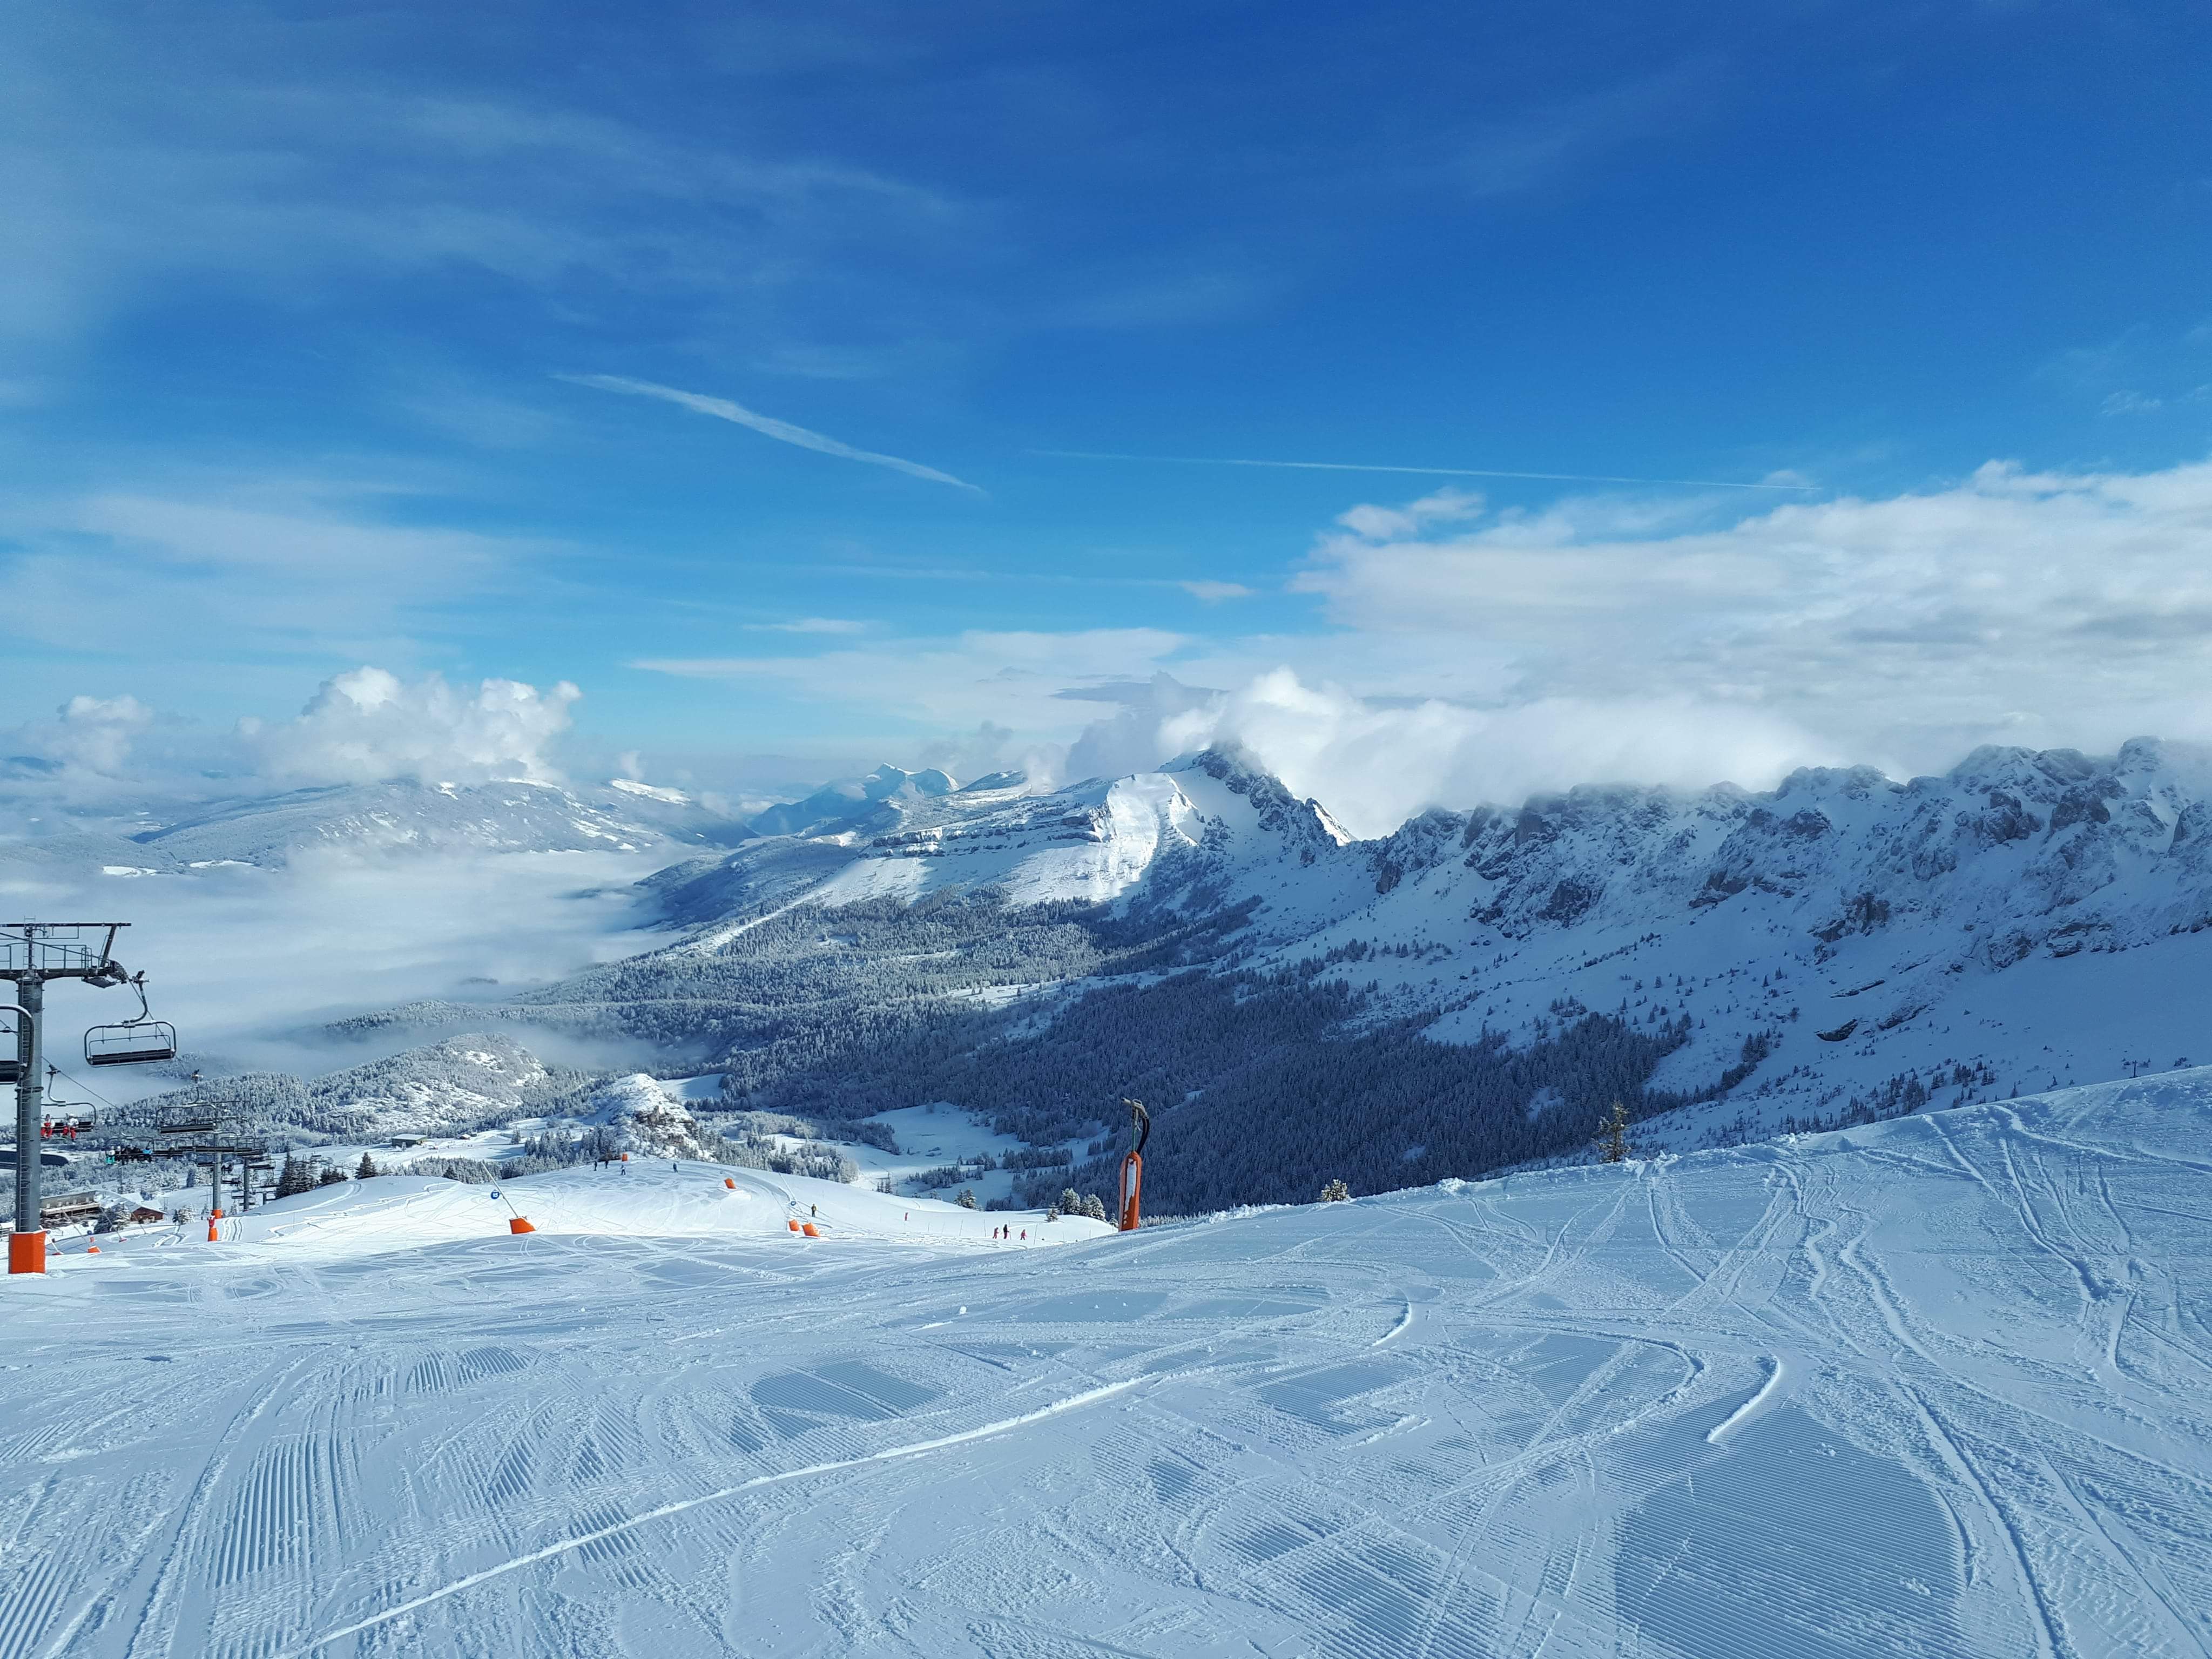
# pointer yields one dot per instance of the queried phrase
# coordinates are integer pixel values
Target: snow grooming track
(1940, 1386)
(585, 1540)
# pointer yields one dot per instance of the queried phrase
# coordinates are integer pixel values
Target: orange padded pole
(1132, 1181)
(27, 1253)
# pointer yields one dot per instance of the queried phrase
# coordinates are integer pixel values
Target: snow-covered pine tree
(365, 1168)
(1612, 1140)
(966, 1198)
(1335, 1192)
(1095, 1207)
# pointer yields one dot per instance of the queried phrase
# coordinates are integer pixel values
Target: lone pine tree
(1611, 1138)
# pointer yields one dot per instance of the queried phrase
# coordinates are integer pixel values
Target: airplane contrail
(1431, 471)
(723, 409)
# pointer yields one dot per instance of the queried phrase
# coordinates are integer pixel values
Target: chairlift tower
(31, 953)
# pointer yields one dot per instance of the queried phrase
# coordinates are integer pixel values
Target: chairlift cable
(83, 1084)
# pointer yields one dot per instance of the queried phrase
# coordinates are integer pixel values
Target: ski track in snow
(1941, 1386)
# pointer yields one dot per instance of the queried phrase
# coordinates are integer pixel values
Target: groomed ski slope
(1942, 1386)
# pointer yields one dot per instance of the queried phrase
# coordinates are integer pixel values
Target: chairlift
(14, 1042)
(134, 1041)
(64, 1118)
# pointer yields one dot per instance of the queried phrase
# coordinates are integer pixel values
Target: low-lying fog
(249, 963)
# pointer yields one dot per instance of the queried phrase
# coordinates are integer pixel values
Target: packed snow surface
(1941, 1386)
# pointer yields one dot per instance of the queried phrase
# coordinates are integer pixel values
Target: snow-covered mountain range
(1844, 943)
(405, 816)
(1464, 993)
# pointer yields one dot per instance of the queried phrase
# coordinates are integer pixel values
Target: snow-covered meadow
(1942, 1385)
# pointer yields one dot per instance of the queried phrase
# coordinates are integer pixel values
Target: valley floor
(1941, 1386)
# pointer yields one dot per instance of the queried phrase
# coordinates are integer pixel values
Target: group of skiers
(1006, 1235)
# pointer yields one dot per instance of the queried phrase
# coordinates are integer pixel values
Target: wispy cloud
(810, 625)
(723, 409)
(240, 566)
(1422, 471)
(1212, 591)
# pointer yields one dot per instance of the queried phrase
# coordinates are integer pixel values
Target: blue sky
(337, 338)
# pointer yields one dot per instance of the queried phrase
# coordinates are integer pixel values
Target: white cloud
(1390, 524)
(1149, 728)
(368, 725)
(810, 625)
(2031, 607)
(783, 431)
(88, 736)
(1376, 765)
(1213, 593)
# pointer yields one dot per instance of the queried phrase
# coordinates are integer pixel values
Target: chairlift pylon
(132, 1041)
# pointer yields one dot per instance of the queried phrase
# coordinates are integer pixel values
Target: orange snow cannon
(790, 1222)
(811, 1230)
(515, 1221)
(731, 1184)
(1132, 1166)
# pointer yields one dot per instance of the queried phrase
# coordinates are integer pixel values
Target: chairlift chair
(14, 1042)
(133, 1041)
(65, 1118)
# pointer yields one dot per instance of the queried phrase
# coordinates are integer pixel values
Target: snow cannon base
(27, 1253)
